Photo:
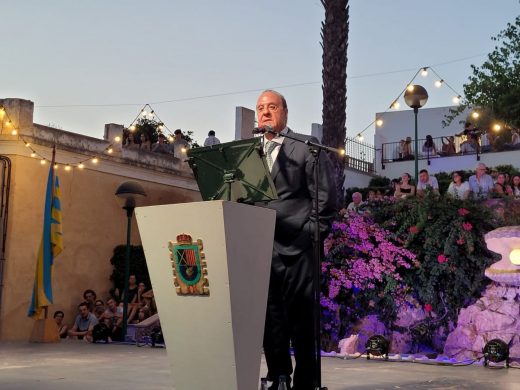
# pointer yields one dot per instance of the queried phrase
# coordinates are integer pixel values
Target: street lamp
(128, 193)
(416, 97)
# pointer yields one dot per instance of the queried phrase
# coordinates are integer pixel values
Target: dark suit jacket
(293, 177)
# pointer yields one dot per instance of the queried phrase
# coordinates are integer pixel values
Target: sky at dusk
(85, 64)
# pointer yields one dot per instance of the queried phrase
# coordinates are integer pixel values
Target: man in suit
(290, 304)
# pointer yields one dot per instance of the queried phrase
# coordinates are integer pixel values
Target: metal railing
(395, 151)
(359, 155)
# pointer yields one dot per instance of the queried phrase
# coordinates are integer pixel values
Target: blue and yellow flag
(50, 247)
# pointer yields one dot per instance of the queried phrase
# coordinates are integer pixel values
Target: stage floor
(77, 365)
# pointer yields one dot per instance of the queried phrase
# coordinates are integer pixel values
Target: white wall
(355, 178)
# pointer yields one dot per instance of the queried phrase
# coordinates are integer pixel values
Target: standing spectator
(161, 146)
(458, 189)
(428, 147)
(501, 187)
(427, 181)
(515, 139)
(180, 145)
(481, 183)
(516, 186)
(131, 142)
(146, 145)
(356, 204)
(84, 324)
(404, 188)
(62, 328)
(211, 140)
(405, 149)
(448, 148)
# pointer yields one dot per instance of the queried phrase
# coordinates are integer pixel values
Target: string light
(497, 127)
(410, 88)
(27, 145)
(170, 138)
(439, 83)
(475, 115)
(110, 150)
(360, 137)
(33, 154)
(424, 72)
(81, 166)
(42, 161)
(379, 122)
(67, 167)
(117, 139)
(95, 160)
(395, 105)
(14, 132)
(456, 99)
(55, 166)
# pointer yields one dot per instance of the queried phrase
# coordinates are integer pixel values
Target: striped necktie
(269, 147)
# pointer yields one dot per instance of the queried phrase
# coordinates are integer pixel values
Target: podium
(209, 263)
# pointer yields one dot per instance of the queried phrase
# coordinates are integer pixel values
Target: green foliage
(447, 237)
(137, 266)
(379, 181)
(495, 85)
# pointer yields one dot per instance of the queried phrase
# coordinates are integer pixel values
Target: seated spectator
(404, 189)
(89, 296)
(146, 145)
(515, 186)
(131, 142)
(515, 138)
(405, 149)
(62, 328)
(161, 146)
(114, 313)
(501, 187)
(448, 148)
(458, 189)
(481, 184)
(427, 182)
(470, 144)
(138, 302)
(149, 301)
(379, 195)
(371, 196)
(428, 147)
(356, 204)
(84, 324)
(142, 315)
(99, 309)
(211, 140)
(102, 331)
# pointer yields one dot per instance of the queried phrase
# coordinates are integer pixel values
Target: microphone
(263, 130)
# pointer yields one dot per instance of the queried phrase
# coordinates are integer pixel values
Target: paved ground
(76, 365)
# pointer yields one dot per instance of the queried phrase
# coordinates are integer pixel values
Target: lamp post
(128, 193)
(416, 97)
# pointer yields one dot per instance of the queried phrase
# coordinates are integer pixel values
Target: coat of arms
(189, 266)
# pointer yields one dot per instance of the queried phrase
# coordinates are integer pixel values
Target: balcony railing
(359, 155)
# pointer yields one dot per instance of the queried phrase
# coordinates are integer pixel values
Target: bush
(137, 266)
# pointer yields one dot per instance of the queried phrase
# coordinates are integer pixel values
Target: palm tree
(334, 35)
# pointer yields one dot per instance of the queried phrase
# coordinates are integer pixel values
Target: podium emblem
(189, 266)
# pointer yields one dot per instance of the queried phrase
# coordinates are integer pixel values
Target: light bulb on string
(117, 139)
(110, 150)
(439, 83)
(379, 122)
(395, 105)
(95, 160)
(33, 155)
(132, 128)
(55, 166)
(81, 166)
(14, 132)
(144, 112)
(42, 161)
(497, 127)
(410, 88)
(360, 137)
(67, 167)
(424, 72)
(170, 138)
(475, 115)
(456, 99)
(27, 144)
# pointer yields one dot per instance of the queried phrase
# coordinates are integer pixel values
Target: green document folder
(234, 171)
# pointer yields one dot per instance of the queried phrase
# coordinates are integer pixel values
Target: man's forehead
(269, 97)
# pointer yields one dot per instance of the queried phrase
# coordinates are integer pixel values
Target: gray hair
(284, 102)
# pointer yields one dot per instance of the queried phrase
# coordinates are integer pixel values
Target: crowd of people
(99, 320)
(471, 140)
(177, 148)
(481, 185)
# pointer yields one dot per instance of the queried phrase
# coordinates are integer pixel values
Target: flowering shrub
(364, 267)
(430, 250)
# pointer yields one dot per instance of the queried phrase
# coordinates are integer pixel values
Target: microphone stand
(315, 148)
